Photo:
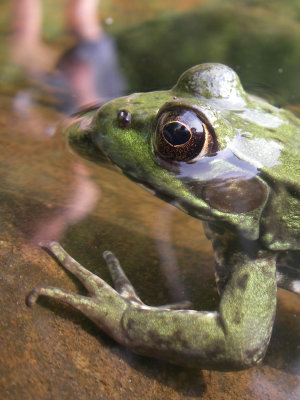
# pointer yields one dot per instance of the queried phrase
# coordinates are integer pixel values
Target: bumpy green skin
(248, 193)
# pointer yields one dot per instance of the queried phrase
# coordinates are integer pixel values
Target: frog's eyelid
(172, 105)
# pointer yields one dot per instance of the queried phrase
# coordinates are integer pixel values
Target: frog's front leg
(235, 337)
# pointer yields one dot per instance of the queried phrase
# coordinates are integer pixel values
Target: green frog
(220, 155)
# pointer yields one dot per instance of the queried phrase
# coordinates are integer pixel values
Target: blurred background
(153, 43)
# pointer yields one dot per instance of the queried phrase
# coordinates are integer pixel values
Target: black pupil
(176, 133)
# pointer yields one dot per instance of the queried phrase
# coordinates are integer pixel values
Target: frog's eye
(181, 135)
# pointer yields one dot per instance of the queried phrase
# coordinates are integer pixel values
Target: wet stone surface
(52, 352)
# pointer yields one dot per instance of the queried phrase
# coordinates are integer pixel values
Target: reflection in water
(32, 116)
(88, 73)
(82, 201)
(168, 260)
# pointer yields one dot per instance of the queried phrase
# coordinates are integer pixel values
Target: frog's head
(200, 145)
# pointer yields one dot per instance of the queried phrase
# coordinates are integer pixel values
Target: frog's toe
(120, 280)
(93, 283)
(32, 297)
(75, 300)
(125, 288)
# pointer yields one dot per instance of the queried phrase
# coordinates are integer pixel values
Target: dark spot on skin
(183, 343)
(169, 342)
(293, 191)
(130, 324)
(242, 281)
(237, 318)
(155, 338)
(255, 352)
(213, 351)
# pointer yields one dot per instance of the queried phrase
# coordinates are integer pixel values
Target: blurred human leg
(25, 43)
(91, 67)
(82, 19)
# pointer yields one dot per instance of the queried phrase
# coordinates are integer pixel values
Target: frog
(221, 155)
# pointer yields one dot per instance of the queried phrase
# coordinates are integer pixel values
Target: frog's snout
(78, 133)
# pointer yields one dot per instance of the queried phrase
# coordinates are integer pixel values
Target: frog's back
(280, 223)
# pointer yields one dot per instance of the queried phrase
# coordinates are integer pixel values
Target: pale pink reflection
(80, 204)
(166, 252)
(87, 73)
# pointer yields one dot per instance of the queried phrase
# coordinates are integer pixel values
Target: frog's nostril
(124, 118)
